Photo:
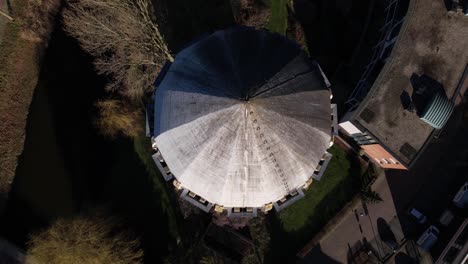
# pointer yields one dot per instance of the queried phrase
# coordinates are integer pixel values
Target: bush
(84, 240)
(118, 118)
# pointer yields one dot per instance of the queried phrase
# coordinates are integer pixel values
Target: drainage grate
(408, 151)
(367, 115)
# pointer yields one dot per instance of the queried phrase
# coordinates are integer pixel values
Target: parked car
(461, 198)
(391, 243)
(446, 218)
(417, 215)
(428, 238)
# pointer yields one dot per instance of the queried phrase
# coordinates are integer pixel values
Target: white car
(461, 198)
(428, 238)
(417, 215)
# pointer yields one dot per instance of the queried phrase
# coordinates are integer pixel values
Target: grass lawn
(142, 148)
(19, 71)
(137, 192)
(304, 213)
(279, 16)
(298, 223)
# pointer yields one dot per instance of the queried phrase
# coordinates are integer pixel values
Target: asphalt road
(360, 226)
(429, 186)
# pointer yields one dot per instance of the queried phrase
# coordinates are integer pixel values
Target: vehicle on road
(428, 238)
(392, 244)
(417, 215)
(461, 198)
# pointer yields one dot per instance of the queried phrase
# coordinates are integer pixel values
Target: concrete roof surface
(431, 42)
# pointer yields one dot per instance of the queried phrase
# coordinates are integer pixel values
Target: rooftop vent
(437, 111)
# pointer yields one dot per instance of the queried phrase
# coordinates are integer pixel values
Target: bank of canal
(66, 167)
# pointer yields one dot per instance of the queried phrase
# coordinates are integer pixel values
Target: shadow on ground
(285, 245)
(67, 167)
(318, 256)
(430, 189)
(183, 21)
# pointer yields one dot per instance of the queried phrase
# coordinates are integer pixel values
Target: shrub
(117, 118)
(84, 240)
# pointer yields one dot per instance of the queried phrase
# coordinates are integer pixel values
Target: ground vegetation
(20, 58)
(117, 118)
(84, 239)
(293, 227)
(252, 13)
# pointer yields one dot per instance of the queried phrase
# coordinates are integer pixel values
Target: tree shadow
(407, 102)
(67, 167)
(62, 157)
(9, 7)
(424, 88)
(286, 244)
(448, 4)
(316, 255)
(362, 252)
(386, 233)
(183, 21)
(353, 249)
(402, 258)
(131, 195)
(331, 29)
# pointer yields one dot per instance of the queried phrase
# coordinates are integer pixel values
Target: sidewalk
(360, 226)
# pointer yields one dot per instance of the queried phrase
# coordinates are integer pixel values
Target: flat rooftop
(431, 42)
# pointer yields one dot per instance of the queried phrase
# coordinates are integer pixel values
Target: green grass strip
(142, 148)
(279, 16)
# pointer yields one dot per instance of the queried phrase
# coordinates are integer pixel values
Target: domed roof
(242, 117)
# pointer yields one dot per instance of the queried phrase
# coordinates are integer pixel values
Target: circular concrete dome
(242, 117)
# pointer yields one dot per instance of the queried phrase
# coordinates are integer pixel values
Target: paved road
(429, 186)
(358, 226)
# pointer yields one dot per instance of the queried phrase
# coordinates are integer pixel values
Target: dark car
(392, 244)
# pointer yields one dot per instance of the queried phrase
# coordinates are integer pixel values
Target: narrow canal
(68, 168)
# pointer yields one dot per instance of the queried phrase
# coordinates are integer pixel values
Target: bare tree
(124, 39)
(84, 240)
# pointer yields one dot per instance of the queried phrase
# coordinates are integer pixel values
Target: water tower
(242, 122)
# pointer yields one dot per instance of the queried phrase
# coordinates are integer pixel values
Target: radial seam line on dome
(233, 68)
(258, 59)
(205, 142)
(283, 82)
(292, 120)
(266, 109)
(226, 182)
